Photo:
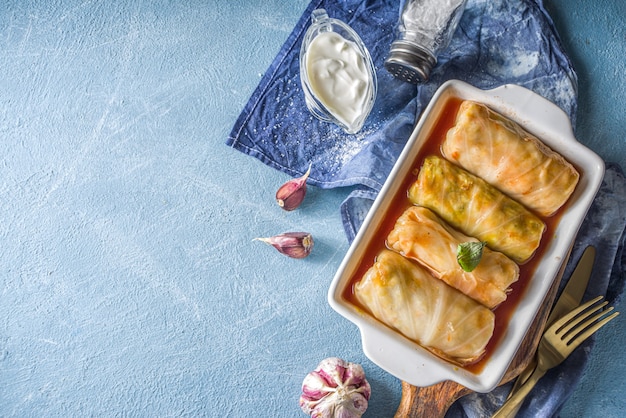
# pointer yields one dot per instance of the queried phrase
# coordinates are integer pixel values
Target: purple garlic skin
(335, 389)
(291, 194)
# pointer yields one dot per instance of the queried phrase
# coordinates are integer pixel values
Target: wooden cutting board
(434, 401)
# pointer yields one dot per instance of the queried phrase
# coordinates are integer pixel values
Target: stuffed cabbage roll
(477, 209)
(421, 235)
(405, 297)
(500, 152)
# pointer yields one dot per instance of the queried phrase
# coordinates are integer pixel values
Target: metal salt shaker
(424, 29)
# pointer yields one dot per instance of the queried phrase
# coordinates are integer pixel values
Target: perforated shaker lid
(409, 62)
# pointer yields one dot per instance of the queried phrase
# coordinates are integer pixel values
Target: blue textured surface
(129, 282)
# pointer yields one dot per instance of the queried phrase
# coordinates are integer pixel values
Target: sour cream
(339, 77)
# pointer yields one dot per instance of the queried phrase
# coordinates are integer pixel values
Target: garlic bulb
(335, 389)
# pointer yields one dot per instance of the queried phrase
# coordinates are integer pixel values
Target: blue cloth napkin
(497, 42)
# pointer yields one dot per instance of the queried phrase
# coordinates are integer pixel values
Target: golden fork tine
(584, 310)
(572, 316)
(581, 336)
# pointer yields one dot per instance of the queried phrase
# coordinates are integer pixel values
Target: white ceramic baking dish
(407, 360)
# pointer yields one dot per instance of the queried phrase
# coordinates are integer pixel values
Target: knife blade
(570, 298)
(575, 288)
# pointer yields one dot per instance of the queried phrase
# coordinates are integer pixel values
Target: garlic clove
(336, 388)
(291, 244)
(291, 194)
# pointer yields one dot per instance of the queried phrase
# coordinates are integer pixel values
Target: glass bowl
(329, 90)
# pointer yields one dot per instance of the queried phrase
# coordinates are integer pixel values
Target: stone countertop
(130, 282)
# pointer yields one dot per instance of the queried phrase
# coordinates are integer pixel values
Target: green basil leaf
(468, 254)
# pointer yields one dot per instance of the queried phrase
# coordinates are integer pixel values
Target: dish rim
(406, 359)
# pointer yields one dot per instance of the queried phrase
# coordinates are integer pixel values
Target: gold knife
(575, 288)
(569, 299)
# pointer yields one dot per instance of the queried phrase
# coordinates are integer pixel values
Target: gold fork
(558, 342)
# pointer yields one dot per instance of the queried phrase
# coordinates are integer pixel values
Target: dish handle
(528, 108)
